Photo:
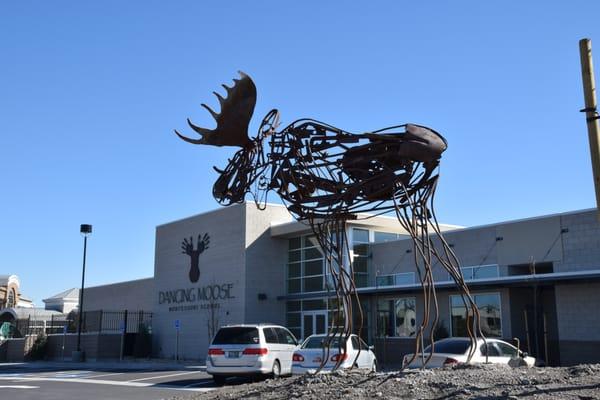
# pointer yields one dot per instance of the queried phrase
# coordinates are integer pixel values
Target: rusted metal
(326, 177)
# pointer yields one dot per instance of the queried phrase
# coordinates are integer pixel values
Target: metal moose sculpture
(326, 177)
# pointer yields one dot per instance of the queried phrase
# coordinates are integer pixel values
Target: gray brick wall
(581, 244)
(577, 311)
(131, 295)
(222, 263)
(265, 264)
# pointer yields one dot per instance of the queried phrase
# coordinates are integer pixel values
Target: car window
(453, 346)
(363, 344)
(507, 350)
(355, 344)
(237, 335)
(492, 350)
(285, 337)
(317, 342)
(270, 335)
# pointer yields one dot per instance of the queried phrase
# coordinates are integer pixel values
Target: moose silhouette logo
(188, 248)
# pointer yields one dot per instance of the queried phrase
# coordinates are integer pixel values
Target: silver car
(309, 357)
(451, 351)
(243, 350)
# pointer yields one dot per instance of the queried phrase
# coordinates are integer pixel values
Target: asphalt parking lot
(90, 381)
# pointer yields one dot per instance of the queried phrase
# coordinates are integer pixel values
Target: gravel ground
(580, 382)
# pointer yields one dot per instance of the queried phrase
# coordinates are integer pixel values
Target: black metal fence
(99, 321)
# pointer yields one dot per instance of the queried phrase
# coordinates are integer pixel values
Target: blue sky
(90, 93)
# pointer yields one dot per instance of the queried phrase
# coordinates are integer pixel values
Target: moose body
(327, 176)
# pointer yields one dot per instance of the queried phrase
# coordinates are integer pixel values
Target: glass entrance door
(314, 323)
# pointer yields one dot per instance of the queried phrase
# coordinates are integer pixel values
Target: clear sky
(90, 93)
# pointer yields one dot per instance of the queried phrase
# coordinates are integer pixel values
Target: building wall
(222, 263)
(581, 244)
(4, 294)
(266, 259)
(130, 295)
(570, 241)
(578, 322)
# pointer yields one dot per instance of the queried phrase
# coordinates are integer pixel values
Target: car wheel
(374, 366)
(276, 372)
(219, 380)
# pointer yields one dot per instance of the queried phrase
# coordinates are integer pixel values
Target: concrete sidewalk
(133, 365)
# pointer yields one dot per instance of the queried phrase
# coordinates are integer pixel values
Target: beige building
(536, 279)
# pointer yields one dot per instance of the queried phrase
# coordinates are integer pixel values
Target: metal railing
(98, 321)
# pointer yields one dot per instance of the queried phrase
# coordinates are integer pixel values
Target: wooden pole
(527, 331)
(545, 340)
(591, 114)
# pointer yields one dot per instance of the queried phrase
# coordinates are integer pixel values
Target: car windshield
(318, 342)
(236, 335)
(459, 346)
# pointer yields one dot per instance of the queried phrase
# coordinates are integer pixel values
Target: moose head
(248, 163)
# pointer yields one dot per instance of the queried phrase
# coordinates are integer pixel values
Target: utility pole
(591, 113)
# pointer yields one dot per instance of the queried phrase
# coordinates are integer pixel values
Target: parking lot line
(199, 384)
(18, 387)
(105, 382)
(163, 376)
(98, 376)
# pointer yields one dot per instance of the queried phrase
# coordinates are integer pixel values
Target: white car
(243, 350)
(451, 351)
(309, 357)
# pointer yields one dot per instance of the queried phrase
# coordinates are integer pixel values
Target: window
(451, 346)
(271, 335)
(285, 337)
(489, 311)
(480, 272)
(384, 236)
(506, 350)
(236, 335)
(396, 317)
(360, 261)
(11, 298)
(295, 309)
(305, 268)
(404, 278)
(490, 350)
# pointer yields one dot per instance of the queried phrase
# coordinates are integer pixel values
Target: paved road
(48, 381)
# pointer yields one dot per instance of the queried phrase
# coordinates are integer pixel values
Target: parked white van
(242, 350)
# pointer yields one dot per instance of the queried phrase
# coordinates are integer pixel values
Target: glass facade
(404, 278)
(480, 272)
(305, 268)
(305, 317)
(397, 317)
(489, 306)
(379, 237)
(360, 261)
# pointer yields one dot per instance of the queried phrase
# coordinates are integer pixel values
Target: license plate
(233, 354)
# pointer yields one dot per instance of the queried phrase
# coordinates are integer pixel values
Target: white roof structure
(63, 302)
(34, 314)
(69, 294)
(6, 279)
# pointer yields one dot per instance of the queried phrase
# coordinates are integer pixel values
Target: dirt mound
(581, 382)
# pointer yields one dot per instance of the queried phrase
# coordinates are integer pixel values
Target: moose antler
(233, 121)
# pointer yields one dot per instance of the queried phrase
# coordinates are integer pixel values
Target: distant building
(10, 294)
(63, 302)
(20, 312)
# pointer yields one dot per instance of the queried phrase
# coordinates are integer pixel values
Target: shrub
(38, 349)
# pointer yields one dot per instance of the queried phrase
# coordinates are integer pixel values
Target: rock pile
(490, 381)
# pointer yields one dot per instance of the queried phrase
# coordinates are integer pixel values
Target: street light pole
(85, 230)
